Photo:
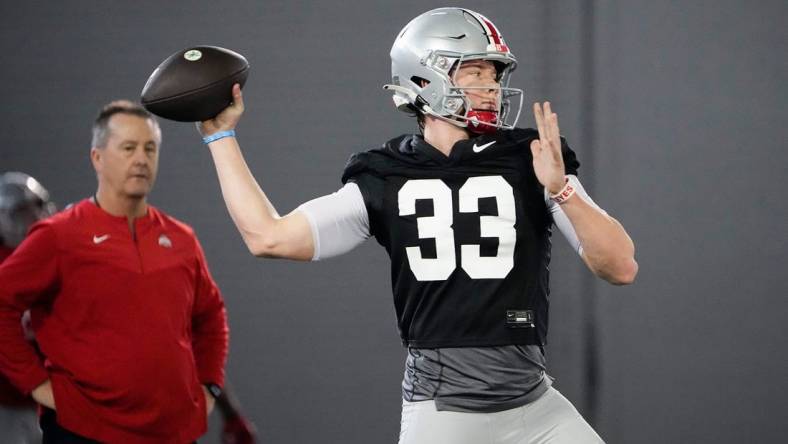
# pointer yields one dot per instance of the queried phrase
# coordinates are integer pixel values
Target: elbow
(278, 242)
(623, 273)
(272, 247)
(261, 246)
(620, 270)
(261, 240)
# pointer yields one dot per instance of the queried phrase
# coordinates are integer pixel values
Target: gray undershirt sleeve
(562, 221)
(339, 221)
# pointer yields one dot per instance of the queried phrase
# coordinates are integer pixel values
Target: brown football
(194, 84)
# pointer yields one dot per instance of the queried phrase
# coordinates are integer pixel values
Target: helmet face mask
(485, 120)
(425, 59)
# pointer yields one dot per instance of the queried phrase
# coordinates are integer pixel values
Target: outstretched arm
(265, 233)
(607, 248)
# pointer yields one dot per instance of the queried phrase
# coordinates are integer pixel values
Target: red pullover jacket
(130, 325)
(9, 395)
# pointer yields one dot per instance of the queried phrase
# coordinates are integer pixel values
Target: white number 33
(439, 227)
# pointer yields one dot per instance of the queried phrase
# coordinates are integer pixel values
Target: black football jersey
(468, 236)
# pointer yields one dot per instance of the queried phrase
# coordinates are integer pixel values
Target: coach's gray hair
(101, 124)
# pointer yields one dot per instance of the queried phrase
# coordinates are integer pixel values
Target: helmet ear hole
(422, 82)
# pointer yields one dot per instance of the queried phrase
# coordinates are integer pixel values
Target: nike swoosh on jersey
(479, 149)
(99, 239)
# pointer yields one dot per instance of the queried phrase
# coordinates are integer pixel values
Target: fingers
(552, 127)
(238, 98)
(536, 148)
(540, 124)
(228, 118)
(547, 125)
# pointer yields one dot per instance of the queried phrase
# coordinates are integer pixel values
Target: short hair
(101, 124)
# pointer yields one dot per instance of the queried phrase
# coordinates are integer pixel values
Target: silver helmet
(424, 59)
(23, 201)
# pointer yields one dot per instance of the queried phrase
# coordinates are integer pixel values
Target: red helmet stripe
(493, 32)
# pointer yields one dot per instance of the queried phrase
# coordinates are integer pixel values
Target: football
(194, 84)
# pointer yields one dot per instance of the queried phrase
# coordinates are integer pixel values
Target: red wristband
(566, 192)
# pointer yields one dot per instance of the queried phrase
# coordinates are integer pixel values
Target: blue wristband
(216, 136)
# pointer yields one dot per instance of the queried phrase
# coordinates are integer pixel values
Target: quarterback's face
(127, 165)
(481, 77)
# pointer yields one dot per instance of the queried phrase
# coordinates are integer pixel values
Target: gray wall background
(677, 111)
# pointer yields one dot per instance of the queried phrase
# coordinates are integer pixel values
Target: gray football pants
(551, 419)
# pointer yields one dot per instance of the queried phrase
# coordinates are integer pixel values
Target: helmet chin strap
(476, 121)
(415, 100)
(427, 110)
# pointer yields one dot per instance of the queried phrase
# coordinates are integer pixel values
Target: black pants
(55, 434)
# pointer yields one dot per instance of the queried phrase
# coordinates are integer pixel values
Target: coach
(127, 316)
